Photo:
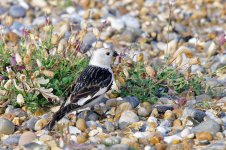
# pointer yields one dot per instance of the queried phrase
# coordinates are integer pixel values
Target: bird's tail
(60, 114)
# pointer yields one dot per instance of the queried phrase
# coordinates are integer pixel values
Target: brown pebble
(176, 141)
(81, 139)
(26, 137)
(81, 124)
(219, 136)
(161, 146)
(204, 136)
(169, 115)
(177, 123)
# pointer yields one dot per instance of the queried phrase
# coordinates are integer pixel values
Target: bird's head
(103, 57)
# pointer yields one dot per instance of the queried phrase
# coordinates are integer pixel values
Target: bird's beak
(115, 54)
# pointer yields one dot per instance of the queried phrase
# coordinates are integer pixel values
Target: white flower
(20, 99)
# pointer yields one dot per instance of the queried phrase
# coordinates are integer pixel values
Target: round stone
(17, 11)
(204, 136)
(26, 138)
(6, 126)
(81, 124)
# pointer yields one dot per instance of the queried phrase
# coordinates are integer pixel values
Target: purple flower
(3, 78)
(13, 61)
(20, 68)
(222, 39)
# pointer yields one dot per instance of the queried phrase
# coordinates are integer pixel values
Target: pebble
(123, 107)
(117, 24)
(163, 108)
(204, 136)
(119, 147)
(74, 130)
(161, 146)
(194, 113)
(30, 124)
(88, 40)
(143, 112)
(207, 126)
(11, 140)
(185, 132)
(152, 119)
(40, 124)
(81, 139)
(109, 126)
(130, 21)
(112, 141)
(134, 101)
(6, 126)
(17, 11)
(35, 146)
(39, 21)
(169, 115)
(204, 142)
(26, 138)
(127, 117)
(169, 139)
(81, 124)
(219, 145)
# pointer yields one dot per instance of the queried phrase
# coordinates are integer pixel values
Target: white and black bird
(90, 86)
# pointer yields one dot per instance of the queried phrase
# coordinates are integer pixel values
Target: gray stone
(204, 142)
(194, 113)
(134, 101)
(112, 141)
(129, 35)
(88, 40)
(109, 126)
(112, 103)
(126, 118)
(2, 10)
(207, 126)
(119, 147)
(143, 112)
(203, 97)
(91, 116)
(6, 126)
(219, 145)
(30, 124)
(163, 108)
(18, 112)
(131, 21)
(39, 21)
(11, 140)
(35, 146)
(17, 11)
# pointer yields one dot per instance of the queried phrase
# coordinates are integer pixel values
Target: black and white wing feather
(93, 82)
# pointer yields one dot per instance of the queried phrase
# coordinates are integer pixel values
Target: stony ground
(147, 28)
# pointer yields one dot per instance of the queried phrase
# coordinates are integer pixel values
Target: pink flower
(222, 39)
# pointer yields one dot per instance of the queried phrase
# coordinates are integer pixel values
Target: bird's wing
(93, 82)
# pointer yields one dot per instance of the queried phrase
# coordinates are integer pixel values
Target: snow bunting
(90, 86)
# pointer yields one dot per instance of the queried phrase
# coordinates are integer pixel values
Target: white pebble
(169, 139)
(185, 132)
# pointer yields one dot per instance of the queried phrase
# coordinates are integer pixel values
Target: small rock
(185, 132)
(127, 117)
(176, 141)
(40, 3)
(203, 97)
(26, 137)
(142, 112)
(169, 139)
(163, 108)
(117, 24)
(194, 113)
(112, 103)
(219, 136)
(207, 126)
(204, 136)
(155, 140)
(129, 36)
(6, 126)
(74, 130)
(81, 139)
(35, 146)
(161, 146)
(169, 115)
(177, 123)
(2, 10)
(17, 11)
(109, 126)
(88, 40)
(30, 124)
(11, 140)
(130, 21)
(39, 21)
(163, 130)
(134, 101)
(40, 124)
(204, 142)
(219, 145)
(191, 136)
(45, 138)
(123, 107)
(112, 141)
(81, 124)
(152, 119)
(93, 132)
(120, 147)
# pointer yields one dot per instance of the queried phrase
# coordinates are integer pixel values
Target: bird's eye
(108, 53)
